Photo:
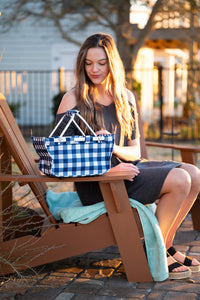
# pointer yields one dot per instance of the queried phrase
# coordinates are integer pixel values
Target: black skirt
(145, 188)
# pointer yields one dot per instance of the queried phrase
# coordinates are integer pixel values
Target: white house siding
(27, 47)
(144, 74)
(37, 46)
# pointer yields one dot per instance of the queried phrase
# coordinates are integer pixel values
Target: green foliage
(15, 108)
(156, 104)
(137, 87)
(56, 102)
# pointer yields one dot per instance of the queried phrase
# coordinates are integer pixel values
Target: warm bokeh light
(2, 82)
(139, 15)
(7, 83)
(25, 87)
(19, 82)
(53, 81)
(68, 80)
(13, 79)
(62, 73)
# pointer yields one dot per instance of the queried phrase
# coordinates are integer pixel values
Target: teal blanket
(68, 207)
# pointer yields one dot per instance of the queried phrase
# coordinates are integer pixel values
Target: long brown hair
(85, 89)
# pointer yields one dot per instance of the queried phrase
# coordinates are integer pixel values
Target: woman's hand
(122, 166)
(101, 132)
(125, 167)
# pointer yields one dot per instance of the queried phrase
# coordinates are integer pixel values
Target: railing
(30, 95)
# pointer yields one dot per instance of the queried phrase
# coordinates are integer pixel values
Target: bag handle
(72, 113)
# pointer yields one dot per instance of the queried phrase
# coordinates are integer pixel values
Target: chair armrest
(188, 152)
(191, 148)
(108, 177)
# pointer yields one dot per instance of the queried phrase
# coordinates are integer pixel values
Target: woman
(103, 100)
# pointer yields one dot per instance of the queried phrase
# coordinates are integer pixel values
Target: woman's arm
(130, 152)
(68, 102)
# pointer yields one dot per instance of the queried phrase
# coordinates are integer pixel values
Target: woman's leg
(194, 173)
(175, 190)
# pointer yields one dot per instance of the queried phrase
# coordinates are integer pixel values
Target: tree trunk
(123, 33)
(123, 29)
(144, 33)
(127, 50)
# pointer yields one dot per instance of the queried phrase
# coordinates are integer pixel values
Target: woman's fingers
(102, 132)
(129, 166)
(126, 167)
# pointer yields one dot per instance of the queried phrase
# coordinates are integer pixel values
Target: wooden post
(61, 79)
(160, 87)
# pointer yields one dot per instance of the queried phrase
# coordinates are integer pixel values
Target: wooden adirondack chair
(58, 241)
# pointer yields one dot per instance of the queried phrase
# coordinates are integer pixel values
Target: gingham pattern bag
(73, 156)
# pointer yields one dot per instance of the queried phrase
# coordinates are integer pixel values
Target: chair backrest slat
(21, 153)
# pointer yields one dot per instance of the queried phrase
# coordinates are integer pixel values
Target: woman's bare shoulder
(68, 102)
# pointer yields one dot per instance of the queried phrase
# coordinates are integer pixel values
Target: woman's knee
(194, 173)
(178, 181)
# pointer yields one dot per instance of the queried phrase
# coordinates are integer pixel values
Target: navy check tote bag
(73, 156)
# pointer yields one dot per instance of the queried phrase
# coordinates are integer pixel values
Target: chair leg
(195, 214)
(126, 232)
